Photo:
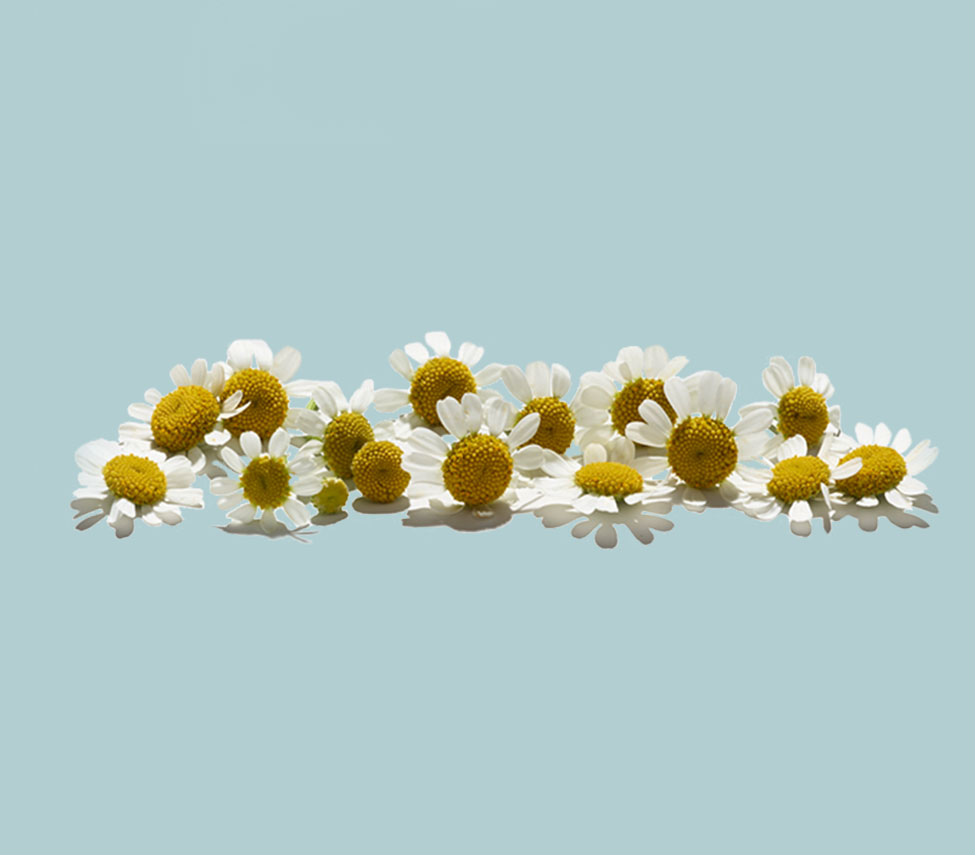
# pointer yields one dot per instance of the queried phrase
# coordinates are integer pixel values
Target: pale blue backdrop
(552, 180)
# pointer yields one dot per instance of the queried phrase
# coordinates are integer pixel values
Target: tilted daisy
(701, 450)
(799, 409)
(795, 484)
(130, 481)
(269, 481)
(378, 473)
(435, 378)
(613, 396)
(540, 389)
(338, 423)
(477, 468)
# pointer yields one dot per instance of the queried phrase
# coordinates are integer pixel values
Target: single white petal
(807, 370)
(864, 434)
(881, 435)
(707, 392)
(755, 421)
(297, 511)
(451, 415)
(679, 396)
(489, 374)
(473, 412)
(516, 381)
(250, 443)
(229, 456)
(540, 379)
(438, 342)
(561, 380)
(243, 514)
(527, 458)
(902, 441)
(470, 354)
(278, 444)
(848, 469)
(724, 397)
(390, 400)
(361, 399)
(417, 352)
(800, 511)
(179, 375)
(524, 430)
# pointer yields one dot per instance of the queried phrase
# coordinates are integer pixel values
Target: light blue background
(553, 181)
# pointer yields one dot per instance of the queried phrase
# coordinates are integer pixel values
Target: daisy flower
(701, 450)
(435, 378)
(613, 396)
(339, 424)
(132, 481)
(795, 483)
(269, 481)
(798, 410)
(378, 473)
(540, 389)
(475, 470)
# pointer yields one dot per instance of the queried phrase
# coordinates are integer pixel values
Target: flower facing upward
(540, 389)
(339, 424)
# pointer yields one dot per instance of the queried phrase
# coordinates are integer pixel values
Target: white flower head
(338, 423)
(540, 388)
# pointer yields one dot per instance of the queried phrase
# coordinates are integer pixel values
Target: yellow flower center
(557, 426)
(344, 436)
(702, 452)
(439, 378)
(266, 482)
(181, 419)
(477, 469)
(882, 470)
(332, 497)
(378, 473)
(798, 478)
(803, 411)
(626, 405)
(268, 402)
(609, 479)
(135, 478)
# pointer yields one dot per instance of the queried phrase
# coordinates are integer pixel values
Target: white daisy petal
(438, 342)
(540, 379)
(451, 415)
(524, 430)
(882, 435)
(561, 380)
(470, 354)
(516, 381)
(250, 443)
(679, 396)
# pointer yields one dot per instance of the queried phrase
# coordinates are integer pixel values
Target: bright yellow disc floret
(609, 479)
(803, 411)
(135, 478)
(267, 399)
(882, 470)
(557, 425)
(332, 497)
(798, 478)
(378, 473)
(436, 379)
(344, 436)
(477, 469)
(702, 451)
(626, 405)
(182, 418)
(266, 482)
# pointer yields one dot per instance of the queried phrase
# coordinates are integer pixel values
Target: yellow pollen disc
(266, 482)
(135, 478)
(557, 425)
(184, 417)
(798, 478)
(882, 470)
(439, 378)
(609, 479)
(332, 497)
(626, 405)
(268, 402)
(477, 469)
(378, 473)
(803, 411)
(702, 451)
(344, 436)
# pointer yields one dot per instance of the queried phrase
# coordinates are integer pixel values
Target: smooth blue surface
(552, 181)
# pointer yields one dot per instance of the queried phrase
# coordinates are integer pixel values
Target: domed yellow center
(135, 478)
(609, 479)
(477, 469)
(378, 473)
(266, 482)
(181, 419)
(557, 425)
(344, 436)
(439, 378)
(803, 411)
(332, 497)
(626, 405)
(268, 402)
(882, 470)
(798, 478)
(702, 452)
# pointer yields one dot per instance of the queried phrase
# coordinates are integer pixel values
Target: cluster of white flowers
(636, 438)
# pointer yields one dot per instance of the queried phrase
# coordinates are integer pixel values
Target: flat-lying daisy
(338, 423)
(540, 389)
(130, 481)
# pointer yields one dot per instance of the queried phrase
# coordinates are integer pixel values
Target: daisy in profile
(796, 484)
(132, 481)
(338, 423)
(435, 378)
(378, 472)
(540, 389)
(799, 409)
(701, 451)
(269, 480)
(475, 470)
(611, 398)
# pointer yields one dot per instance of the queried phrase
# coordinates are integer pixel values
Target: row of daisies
(636, 438)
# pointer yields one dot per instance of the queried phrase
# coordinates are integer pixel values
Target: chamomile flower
(338, 423)
(378, 472)
(475, 470)
(799, 409)
(269, 481)
(540, 389)
(435, 378)
(130, 481)
(612, 397)
(701, 450)
(795, 483)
